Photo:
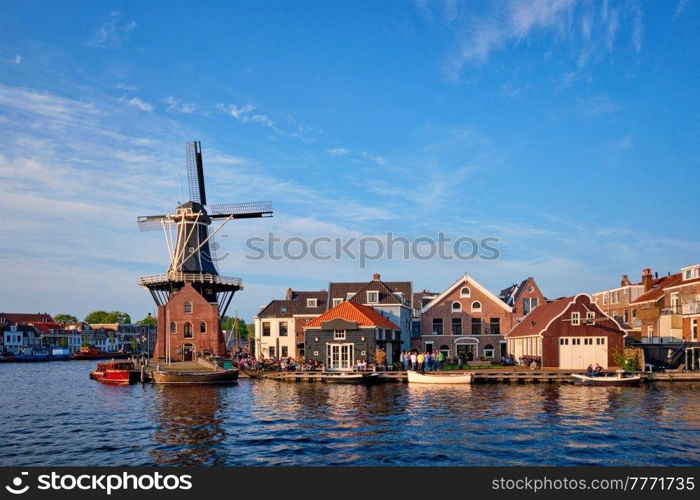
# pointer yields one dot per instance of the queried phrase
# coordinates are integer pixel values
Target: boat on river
(439, 378)
(115, 373)
(92, 353)
(619, 378)
(195, 377)
(351, 377)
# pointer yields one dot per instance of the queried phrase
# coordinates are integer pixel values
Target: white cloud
(137, 103)
(175, 105)
(126, 86)
(18, 59)
(596, 106)
(113, 32)
(379, 160)
(337, 152)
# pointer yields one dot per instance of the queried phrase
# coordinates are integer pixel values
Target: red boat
(115, 373)
(92, 353)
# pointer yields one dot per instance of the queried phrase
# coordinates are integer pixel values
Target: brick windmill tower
(192, 297)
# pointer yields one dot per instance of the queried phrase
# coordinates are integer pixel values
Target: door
(466, 352)
(577, 353)
(340, 356)
(187, 352)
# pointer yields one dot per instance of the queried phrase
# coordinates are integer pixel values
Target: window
(688, 274)
(285, 351)
(372, 297)
(605, 298)
(465, 292)
(283, 310)
(476, 326)
(271, 351)
(188, 306)
(650, 331)
(529, 303)
(476, 306)
(445, 350)
(339, 334)
(694, 329)
(311, 302)
(575, 341)
(283, 328)
(634, 313)
(173, 328)
(575, 318)
(489, 351)
(337, 302)
(202, 327)
(456, 307)
(187, 333)
(495, 326)
(456, 326)
(266, 329)
(437, 326)
(563, 341)
(590, 317)
(625, 316)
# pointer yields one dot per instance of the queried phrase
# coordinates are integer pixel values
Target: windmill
(189, 235)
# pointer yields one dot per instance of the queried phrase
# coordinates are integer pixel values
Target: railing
(155, 279)
(662, 340)
(691, 308)
(670, 311)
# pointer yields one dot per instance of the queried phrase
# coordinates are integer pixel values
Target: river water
(54, 415)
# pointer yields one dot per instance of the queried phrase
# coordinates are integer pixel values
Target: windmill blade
(195, 172)
(152, 222)
(241, 210)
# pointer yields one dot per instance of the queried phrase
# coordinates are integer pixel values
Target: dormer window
(349, 295)
(465, 292)
(372, 297)
(283, 310)
(575, 318)
(311, 302)
(337, 302)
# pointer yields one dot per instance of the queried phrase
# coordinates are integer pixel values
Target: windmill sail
(241, 210)
(195, 172)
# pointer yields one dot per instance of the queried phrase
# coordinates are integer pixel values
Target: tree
(148, 320)
(107, 317)
(65, 318)
(227, 324)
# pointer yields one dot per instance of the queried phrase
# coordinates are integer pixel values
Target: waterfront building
(569, 333)
(466, 321)
(683, 299)
(393, 299)
(653, 307)
(523, 297)
(348, 333)
(420, 300)
(279, 326)
(17, 338)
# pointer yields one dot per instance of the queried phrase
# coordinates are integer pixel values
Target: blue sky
(568, 130)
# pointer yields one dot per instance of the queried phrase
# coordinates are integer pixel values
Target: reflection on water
(265, 422)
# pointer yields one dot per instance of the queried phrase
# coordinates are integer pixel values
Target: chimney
(646, 279)
(289, 294)
(375, 276)
(625, 281)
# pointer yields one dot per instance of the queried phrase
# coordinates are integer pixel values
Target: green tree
(65, 318)
(227, 324)
(148, 320)
(107, 317)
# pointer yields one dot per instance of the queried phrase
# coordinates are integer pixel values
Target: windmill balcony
(180, 277)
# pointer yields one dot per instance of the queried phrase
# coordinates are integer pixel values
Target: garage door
(576, 353)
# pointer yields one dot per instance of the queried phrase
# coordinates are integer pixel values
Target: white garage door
(576, 353)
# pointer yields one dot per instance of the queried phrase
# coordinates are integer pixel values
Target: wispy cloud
(285, 126)
(126, 86)
(113, 32)
(137, 103)
(379, 160)
(175, 105)
(596, 106)
(337, 152)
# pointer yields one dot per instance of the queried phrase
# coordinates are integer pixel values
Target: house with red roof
(654, 308)
(569, 333)
(350, 332)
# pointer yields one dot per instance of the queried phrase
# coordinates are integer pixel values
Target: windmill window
(476, 306)
(187, 333)
(456, 307)
(188, 306)
(202, 327)
(173, 328)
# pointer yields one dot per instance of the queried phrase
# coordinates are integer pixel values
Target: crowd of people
(422, 361)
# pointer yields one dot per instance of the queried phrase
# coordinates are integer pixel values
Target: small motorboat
(195, 377)
(351, 377)
(439, 378)
(620, 378)
(115, 373)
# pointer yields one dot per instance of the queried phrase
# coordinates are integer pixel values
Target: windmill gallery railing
(181, 277)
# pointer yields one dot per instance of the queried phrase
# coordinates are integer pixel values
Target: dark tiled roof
(658, 288)
(539, 317)
(422, 298)
(20, 318)
(388, 291)
(295, 305)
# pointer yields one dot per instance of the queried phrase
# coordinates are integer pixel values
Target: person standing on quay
(420, 359)
(428, 362)
(414, 361)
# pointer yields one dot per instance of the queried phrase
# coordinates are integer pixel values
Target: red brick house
(523, 297)
(568, 333)
(466, 321)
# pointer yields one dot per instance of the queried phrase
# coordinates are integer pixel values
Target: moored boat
(440, 378)
(115, 373)
(351, 377)
(195, 377)
(92, 353)
(619, 378)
